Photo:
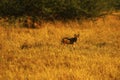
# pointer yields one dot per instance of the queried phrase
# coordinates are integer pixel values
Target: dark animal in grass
(68, 40)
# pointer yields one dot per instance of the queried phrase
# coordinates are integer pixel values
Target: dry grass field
(37, 54)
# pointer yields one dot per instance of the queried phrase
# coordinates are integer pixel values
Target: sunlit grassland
(37, 54)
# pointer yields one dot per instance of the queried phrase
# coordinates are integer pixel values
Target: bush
(57, 9)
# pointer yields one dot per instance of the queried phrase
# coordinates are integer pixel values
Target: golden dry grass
(37, 54)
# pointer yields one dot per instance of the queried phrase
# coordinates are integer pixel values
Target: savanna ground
(37, 54)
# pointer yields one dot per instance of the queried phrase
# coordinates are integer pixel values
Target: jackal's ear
(76, 35)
